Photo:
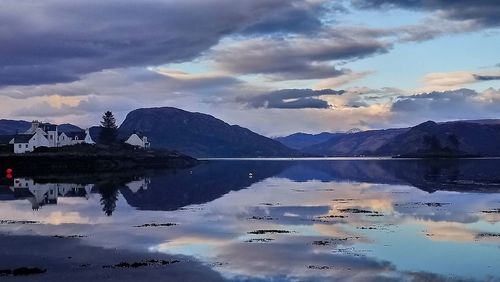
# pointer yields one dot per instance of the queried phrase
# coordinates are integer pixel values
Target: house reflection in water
(138, 185)
(40, 194)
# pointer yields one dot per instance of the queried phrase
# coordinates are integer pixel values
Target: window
(20, 146)
(51, 137)
(26, 146)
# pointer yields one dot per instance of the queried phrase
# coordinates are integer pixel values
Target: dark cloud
(135, 82)
(90, 105)
(291, 99)
(300, 103)
(447, 105)
(297, 18)
(484, 12)
(59, 41)
(486, 77)
(301, 57)
(179, 81)
(442, 95)
(34, 74)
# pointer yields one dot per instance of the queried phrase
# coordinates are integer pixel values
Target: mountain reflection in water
(282, 220)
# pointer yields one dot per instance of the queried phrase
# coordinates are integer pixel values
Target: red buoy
(8, 171)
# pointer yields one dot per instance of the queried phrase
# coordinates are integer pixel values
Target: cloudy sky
(274, 66)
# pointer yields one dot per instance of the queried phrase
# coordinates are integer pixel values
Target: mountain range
(455, 138)
(300, 140)
(202, 135)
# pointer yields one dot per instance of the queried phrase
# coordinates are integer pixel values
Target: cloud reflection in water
(352, 220)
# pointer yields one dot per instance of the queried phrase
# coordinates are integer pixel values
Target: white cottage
(47, 135)
(88, 138)
(138, 140)
(49, 131)
(28, 142)
(73, 138)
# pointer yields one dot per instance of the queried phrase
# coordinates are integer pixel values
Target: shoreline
(56, 162)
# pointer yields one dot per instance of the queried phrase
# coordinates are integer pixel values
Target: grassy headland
(93, 158)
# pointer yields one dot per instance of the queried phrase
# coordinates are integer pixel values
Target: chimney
(34, 125)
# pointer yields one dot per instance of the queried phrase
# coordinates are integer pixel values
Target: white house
(49, 131)
(73, 138)
(64, 139)
(28, 142)
(47, 135)
(138, 140)
(88, 137)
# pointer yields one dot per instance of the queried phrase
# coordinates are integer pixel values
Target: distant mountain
(67, 127)
(460, 137)
(354, 144)
(301, 140)
(454, 138)
(9, 127)
(200, 135)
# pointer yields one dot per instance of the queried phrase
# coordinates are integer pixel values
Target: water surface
(251, 220)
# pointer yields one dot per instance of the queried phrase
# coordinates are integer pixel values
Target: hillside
(456, 138)
(301, 140)
(9, 127)
(67, 127)
(200, 135)
(354, 144)
(429, 139)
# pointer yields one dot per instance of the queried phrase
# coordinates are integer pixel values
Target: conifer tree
(109, 130)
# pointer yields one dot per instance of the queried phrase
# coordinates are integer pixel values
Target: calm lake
(256, 220)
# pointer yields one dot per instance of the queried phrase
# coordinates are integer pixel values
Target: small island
(42, 148)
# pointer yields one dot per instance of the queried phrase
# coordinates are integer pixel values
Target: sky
(274, 66)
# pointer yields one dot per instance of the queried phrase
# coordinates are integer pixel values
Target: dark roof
(81, 135)
(47, 127)
(22, 138)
